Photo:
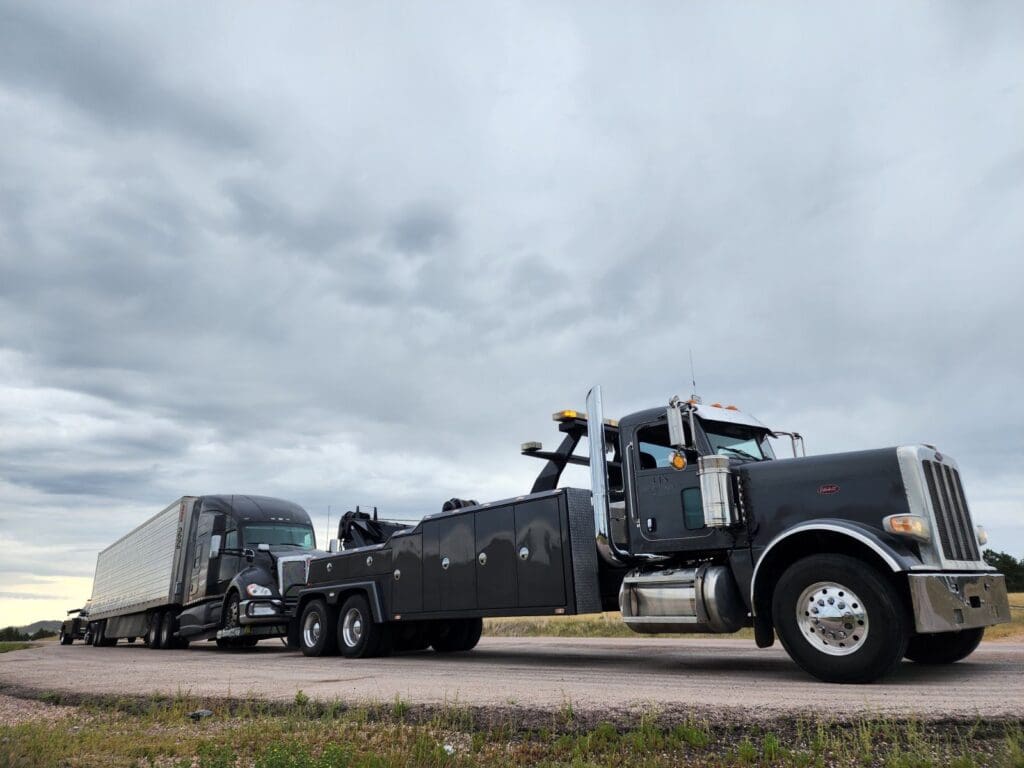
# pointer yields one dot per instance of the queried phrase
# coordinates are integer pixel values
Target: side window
(693, 509)
(653, 446)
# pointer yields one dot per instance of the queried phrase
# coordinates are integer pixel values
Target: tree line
(14, 635)
(1008, 565)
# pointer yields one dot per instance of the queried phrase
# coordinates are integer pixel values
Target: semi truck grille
(293, 572)
(952, 518)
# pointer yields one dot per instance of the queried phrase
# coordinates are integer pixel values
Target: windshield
(738, 440)
(276, 535)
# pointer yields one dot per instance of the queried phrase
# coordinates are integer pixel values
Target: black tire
(317, 629)
(153, 631)
(410, 636)
(944, 647)
(450, 636)
(292, 638)
(863, 644)
(65, 639)
(167, 629)
(131, 640)
(87, 638)
(231, 619)
(359, 636)
(476, 629)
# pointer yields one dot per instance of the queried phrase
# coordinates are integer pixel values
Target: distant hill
(31, 629)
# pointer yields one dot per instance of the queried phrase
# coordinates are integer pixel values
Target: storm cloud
(357, 255)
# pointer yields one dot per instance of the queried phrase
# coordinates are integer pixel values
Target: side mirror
(676, 430)
(215, 546)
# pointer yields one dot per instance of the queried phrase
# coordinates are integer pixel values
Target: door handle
(445, 562)
(482, 559)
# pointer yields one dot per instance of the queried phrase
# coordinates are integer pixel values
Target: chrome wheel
(832, 618)
(352, 628)
(311, 629)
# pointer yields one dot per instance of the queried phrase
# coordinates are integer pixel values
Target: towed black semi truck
(854, 560)
(203, 568)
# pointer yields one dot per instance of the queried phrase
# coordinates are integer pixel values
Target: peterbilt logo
(828, 489)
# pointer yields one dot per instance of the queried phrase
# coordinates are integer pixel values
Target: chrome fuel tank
(700, 599)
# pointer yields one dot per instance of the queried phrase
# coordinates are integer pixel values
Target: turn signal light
(907, 525)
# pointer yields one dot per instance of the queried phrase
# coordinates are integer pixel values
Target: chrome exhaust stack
(599, 481)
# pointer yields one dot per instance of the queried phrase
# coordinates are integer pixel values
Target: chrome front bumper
(262, 610)
(948, 602)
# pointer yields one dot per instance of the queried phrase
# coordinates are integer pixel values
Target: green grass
(312, 734)
(16, 646)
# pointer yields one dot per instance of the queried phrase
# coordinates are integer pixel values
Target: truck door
(203, 567)
(666, 504)
(230, 564)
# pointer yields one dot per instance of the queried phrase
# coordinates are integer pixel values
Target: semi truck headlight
(982, 534)
(908, 525)
(258, 590)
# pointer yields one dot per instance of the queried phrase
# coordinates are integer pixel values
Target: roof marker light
(567, 415)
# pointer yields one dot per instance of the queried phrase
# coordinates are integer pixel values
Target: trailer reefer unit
(854, 560)
(205, 567)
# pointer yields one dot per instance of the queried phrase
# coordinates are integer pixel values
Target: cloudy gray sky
(351, 253)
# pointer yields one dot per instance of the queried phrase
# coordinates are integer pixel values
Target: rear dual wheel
(317, 630)
(359, 636)
(457, 635)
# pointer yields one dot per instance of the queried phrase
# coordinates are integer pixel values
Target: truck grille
(952, 518)
(293, 572)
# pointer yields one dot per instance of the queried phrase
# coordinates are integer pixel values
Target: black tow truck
(853, 560)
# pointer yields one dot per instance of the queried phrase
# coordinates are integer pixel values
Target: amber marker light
(678, 461)
(908, 525)
(567, 415)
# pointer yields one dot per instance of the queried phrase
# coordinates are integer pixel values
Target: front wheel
(65, 638)
(839, 619)
(317, 635)
(944, 647)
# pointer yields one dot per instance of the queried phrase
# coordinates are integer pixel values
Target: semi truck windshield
(295, 535)
(737, 440)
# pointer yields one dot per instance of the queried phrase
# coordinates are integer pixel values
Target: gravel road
(538, 673)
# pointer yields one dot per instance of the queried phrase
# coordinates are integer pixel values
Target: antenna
(328, 523)
(693, 376)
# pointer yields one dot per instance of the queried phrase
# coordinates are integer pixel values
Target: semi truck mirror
(214, 545)
(332, 546)
(676, 430)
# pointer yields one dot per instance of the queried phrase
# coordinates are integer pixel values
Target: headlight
(258, 590)
(908, 525)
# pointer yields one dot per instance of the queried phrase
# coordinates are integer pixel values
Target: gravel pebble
(14, 711)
